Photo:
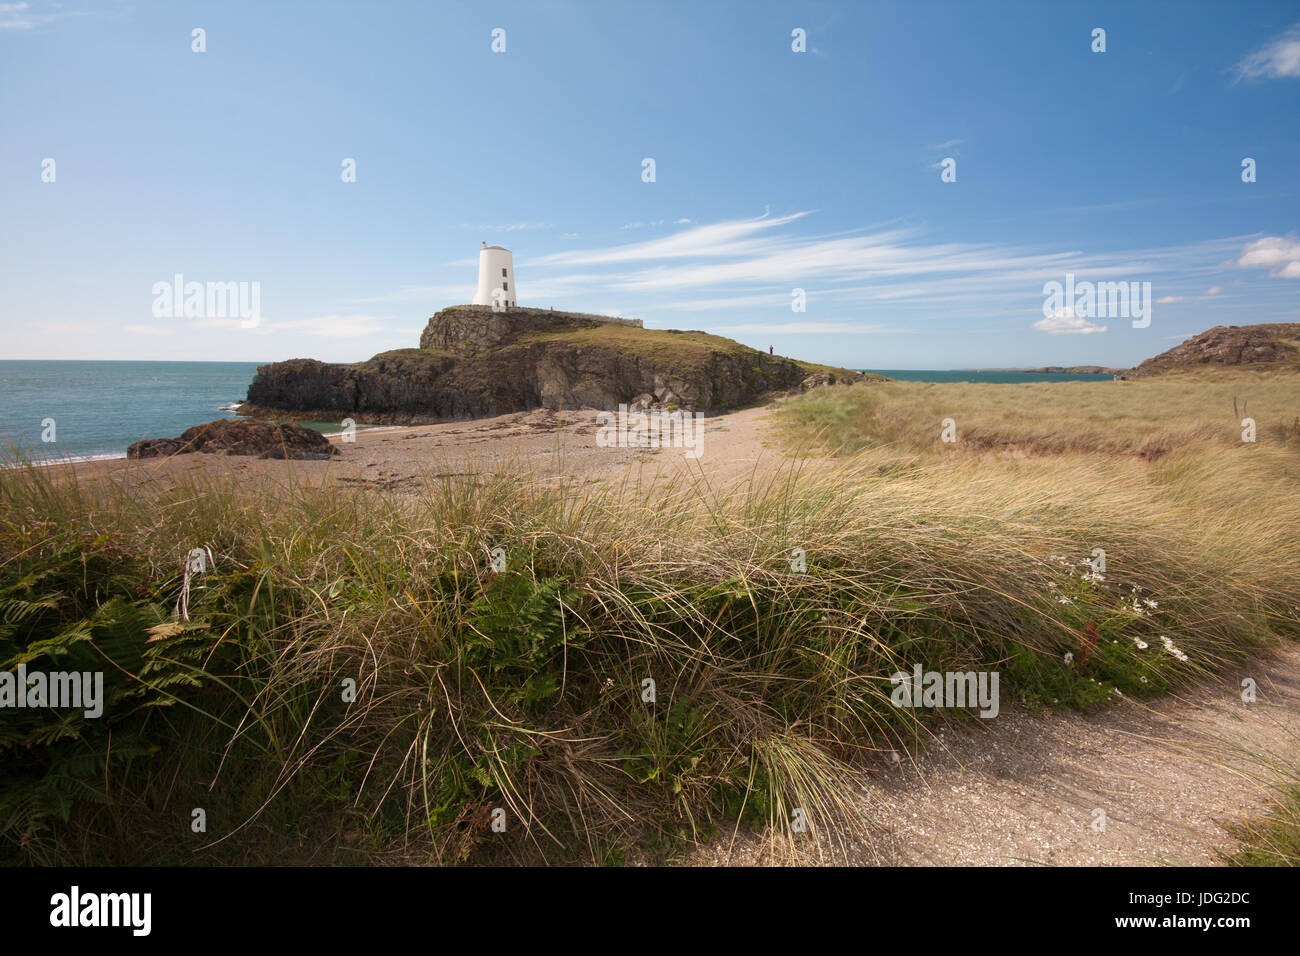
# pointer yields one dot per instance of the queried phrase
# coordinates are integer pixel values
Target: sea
(994, 377)
(96, 409)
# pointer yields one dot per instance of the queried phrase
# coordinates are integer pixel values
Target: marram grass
(360, 680)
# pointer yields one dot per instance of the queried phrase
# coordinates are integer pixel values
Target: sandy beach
(543, 443)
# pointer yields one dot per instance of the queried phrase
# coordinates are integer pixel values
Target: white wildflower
(1173, 649)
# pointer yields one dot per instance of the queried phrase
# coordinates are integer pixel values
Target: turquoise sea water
(99, 408)
(976, 375)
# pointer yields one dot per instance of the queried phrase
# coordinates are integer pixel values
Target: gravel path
(1024, 789)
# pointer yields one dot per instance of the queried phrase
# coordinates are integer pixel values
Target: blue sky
(774, 170)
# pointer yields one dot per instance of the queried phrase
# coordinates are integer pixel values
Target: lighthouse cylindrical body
(496, 271)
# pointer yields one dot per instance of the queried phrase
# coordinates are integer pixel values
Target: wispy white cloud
(16, 16)
(750, 255)
(23, 16)
(809, 328)
(949, 149)
(336, 326)
(761, 300)
(1209, 293)
(507, 226)
(1278, 58)
(231, 325)
(74, 328)
(852, 278)
(718, 239)
(428, 293)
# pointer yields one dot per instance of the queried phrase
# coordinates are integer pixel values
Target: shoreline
(57, 461)
(64, 460)
(544, 443)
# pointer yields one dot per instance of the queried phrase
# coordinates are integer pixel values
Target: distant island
(1266, 346)
(1053, 370)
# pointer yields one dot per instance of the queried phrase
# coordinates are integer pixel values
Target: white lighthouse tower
(496, 277)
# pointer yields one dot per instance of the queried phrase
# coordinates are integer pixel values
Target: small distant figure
(770, 350)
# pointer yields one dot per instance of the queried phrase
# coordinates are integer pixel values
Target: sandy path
(1022, 789)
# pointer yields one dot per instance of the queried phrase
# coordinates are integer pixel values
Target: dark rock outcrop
(476, 363)
(235, 437)
(1267, 345)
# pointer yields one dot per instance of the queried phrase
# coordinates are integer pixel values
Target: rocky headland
(474, 362)
(1263, 347)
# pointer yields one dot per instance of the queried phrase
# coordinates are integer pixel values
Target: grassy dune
(519, 695)
(1146, 417)
(1275, 839)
